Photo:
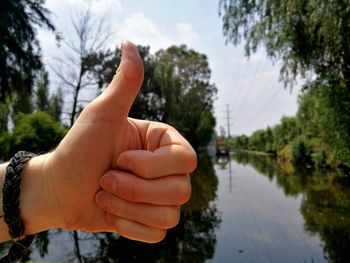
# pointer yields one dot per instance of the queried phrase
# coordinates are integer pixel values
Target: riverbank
(252, 152)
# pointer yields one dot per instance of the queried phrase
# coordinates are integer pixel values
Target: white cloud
(186, 32)
(143, 31)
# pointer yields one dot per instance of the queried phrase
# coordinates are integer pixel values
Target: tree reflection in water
(325, 204)
(193, 240)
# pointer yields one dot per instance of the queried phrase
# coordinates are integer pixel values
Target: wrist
(31, 199)
(37, 200)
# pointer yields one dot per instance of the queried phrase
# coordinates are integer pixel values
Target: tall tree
(19, 47)
(4, 112)
(184, 77)
(83, 55)
(56, 105)
(52, 104)
(42, 92)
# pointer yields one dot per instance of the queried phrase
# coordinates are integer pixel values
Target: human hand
(141, 165)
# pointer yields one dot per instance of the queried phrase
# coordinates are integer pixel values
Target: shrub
(35, 132)
(301, 152)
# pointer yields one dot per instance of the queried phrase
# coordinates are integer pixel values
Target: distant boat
(222, 148)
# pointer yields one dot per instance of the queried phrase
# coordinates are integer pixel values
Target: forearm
(33, 205)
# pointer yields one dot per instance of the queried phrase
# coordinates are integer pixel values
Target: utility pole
(228, 120)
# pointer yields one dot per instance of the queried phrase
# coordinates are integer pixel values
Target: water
(247, 209)
(259, 222)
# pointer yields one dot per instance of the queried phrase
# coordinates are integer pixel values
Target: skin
(110, 173)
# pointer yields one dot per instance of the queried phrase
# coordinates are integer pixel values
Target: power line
(259, 96)
(252, 80)
(265, 106)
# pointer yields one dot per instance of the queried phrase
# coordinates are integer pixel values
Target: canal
(246, 209)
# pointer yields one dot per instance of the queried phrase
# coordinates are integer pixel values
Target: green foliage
(19, 48)
(239, 142)
(319, 158)
(285, 132)
(44, 102)
(309, 36)
(4, 112)
(323, 115)
(257, 141)
(312, 40)
(55, 105)
(42, 92)
(22, 103)
(300, 152)
(183, 76)
(35, 132)
(285, 153)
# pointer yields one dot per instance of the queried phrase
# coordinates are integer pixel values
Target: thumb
(126, 83)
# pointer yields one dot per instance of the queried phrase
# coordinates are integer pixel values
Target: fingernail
(103, 200)
(108, 183)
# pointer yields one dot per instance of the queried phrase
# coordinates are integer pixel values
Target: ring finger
(162, 217)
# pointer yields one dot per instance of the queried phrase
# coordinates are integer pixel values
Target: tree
(285, 132)
(19, 48)
(324, 117)
(35, 132)
(311, 37)
(184, 77)
(83, 56)
(55, 105)
(52, 104)
(4, 112)
(22, 103)
(42, 92)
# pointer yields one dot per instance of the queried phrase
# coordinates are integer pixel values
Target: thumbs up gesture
(112, 173)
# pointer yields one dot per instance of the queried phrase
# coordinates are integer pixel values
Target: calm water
(247, 209)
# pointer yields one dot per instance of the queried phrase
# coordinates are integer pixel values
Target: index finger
(166, 153)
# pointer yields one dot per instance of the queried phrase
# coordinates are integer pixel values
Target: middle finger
(169, 190)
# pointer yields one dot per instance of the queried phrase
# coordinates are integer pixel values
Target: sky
(249, 90)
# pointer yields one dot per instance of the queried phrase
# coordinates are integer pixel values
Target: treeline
(35, 115)
(318, 135)
(311, 39)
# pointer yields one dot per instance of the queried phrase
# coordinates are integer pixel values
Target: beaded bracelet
(11, 194)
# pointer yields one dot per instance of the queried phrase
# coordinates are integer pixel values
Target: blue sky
(250, 87)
